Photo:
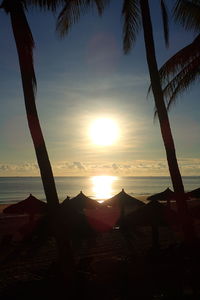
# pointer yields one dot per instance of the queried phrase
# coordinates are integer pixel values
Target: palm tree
(164, 120)
(182, 69)
(132, 12)
(24, 44)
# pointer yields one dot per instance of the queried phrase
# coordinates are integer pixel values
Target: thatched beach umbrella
(123, 197)
(194, 193)
(31, 206)
(163, 196)
(80, 202)
(166, 195)
(75, 222)
(153, 214)
(123, 200)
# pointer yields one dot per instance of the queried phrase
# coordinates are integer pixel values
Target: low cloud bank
(188, 166)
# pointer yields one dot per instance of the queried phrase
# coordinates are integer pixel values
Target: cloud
(70, 166)
(78, 165)
(159, 167)
(23, 169)
(4, 168)
(115, 166)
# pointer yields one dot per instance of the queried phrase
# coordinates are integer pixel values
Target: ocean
(15, 189)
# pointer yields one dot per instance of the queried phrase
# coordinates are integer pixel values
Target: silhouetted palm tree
(24, 43)
(135, 13)
(163, 119)
(182, 69)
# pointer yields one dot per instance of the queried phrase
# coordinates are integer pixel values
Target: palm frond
(184, 84)
(182, 81)
(52, 5)
(187, 13)
(180, 71)
(132, 23)
(165, 22)
(73, 10)
(179, 61)
(101, 5)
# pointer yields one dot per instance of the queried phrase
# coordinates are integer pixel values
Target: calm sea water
(14, 189)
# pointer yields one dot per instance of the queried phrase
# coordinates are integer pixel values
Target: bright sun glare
(104, 132)
(102, 186)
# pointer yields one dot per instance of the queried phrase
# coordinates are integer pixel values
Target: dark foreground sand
(114, 266)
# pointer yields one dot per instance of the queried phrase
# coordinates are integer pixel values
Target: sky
(86, 76)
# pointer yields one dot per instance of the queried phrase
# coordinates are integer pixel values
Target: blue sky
(85, 76)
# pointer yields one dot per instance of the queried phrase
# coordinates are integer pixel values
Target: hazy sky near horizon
(86, 76)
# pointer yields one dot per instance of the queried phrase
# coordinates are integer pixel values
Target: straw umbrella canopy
(163, 196)
(153, 214)
(194, 193)
(31, 206)
(123, 198)
(122, 201)
(80, 202)
(73, 215)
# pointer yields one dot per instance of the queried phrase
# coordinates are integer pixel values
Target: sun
(104, 131)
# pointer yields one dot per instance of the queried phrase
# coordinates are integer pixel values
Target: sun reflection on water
(102, 187)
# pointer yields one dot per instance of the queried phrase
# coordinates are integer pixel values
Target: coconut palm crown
(182, 70)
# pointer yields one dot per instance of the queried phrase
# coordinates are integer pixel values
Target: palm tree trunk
(164, 121)
(24, 44)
